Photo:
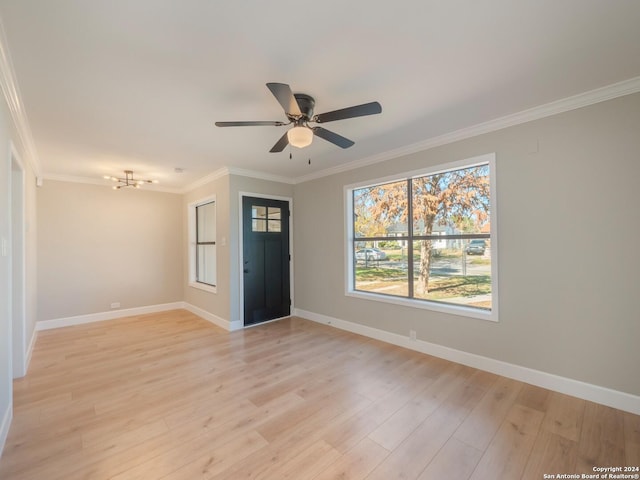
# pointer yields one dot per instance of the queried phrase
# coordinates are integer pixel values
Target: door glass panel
(274, 225)
(274, 215)
(258, 211)
(258, 225)
(258, 221)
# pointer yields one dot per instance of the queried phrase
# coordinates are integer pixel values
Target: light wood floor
(170, 396)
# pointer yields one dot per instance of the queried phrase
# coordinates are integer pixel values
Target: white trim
(101, 316)
(461, 310)
(129, 312)
(221, 172)
(609, 92)
(260, 175)
(5, 425)
(289, 200)
(594, 393)
(32, 344)
(11, 92)
(18, 262)
(442, 307)
(225, 171)
(203, 286)
(210, 317)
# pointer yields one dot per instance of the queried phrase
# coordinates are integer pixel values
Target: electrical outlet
(412, 335)
(115, 305)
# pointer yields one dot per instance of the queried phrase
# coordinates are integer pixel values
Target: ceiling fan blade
(285, 97)
(280, 144)
(332, 137)
(350, 112)
(249, 124)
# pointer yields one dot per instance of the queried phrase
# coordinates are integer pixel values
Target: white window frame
(460, 310)
(192, 228)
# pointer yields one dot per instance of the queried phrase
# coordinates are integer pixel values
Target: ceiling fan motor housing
(306, 104)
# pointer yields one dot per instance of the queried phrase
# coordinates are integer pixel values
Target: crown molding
(11, 93)
(221, 172)
(620, 89)
(261, 175)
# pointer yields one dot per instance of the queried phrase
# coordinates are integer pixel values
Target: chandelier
(128, 180)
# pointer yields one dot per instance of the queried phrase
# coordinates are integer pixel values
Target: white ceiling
(110, 85)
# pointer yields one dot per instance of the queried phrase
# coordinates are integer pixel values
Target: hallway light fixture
(128, 180)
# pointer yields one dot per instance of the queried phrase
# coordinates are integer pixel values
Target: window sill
(459, 310)
(204, 286)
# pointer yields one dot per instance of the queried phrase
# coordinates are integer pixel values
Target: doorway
(266, 259)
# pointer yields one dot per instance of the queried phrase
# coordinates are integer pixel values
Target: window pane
(380, 211)
(459, 273)
(274, 215)
(259, 225)
(381, 268)
(206, 222)
(206, 264)
(274, 225)
(258, 211)
(452, 203)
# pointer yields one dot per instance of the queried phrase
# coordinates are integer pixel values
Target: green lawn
(440, 287)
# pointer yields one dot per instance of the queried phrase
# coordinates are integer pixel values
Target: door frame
(17, 264)
(289, 200)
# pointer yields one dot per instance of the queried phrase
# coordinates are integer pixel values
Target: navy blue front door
(265, 259)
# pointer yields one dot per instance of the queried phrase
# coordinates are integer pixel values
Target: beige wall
(97, 246)
(568, 255)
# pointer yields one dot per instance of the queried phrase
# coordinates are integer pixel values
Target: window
(202, 241)
(265, 219)
(427, 239)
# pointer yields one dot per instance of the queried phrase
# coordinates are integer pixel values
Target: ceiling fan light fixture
(300, 137)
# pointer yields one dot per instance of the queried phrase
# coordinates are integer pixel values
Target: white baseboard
(32, 343)
(4, 427)
(110, 315)
(219, 321)
(594, 393)
(129, 312)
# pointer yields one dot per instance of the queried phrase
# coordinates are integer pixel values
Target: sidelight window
(202, 233)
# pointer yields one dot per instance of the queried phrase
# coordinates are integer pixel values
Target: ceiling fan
(298, 108)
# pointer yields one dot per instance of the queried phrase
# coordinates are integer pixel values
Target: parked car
(370, 254)
(476, 246)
